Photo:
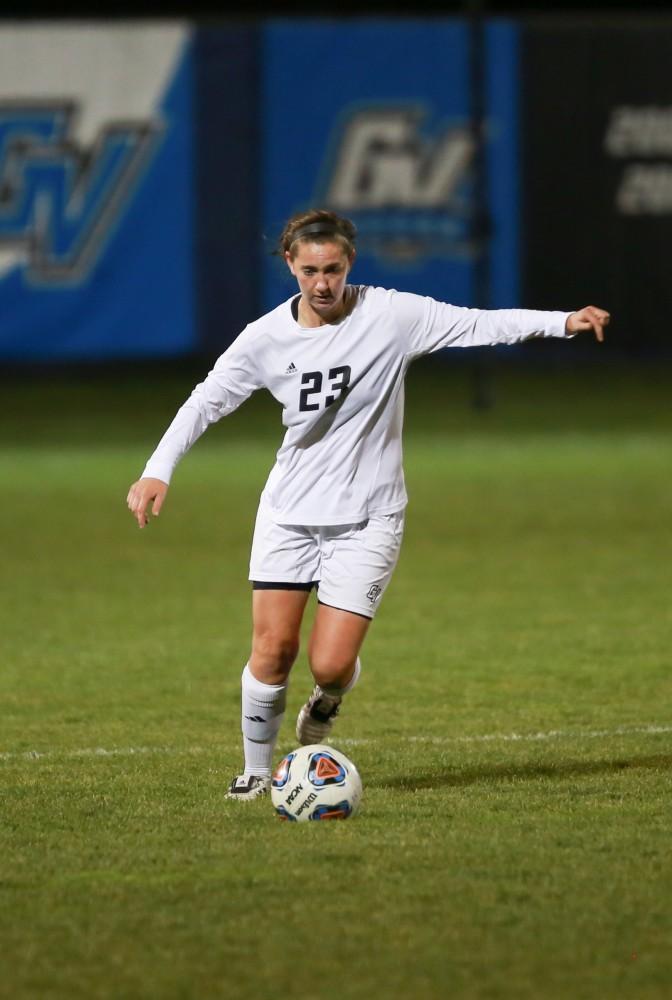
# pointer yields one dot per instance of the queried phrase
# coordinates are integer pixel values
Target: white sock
(337, 692)
(263, 707)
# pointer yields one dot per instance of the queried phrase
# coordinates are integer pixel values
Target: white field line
(552, 734)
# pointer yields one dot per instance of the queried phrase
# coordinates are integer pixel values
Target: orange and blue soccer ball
(316, 782)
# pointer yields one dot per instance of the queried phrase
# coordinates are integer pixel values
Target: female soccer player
(331, 514)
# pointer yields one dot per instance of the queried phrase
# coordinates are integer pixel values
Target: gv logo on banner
(60, 200)
(407, 193)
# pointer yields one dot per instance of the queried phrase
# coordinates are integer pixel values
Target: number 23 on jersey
(338, 380)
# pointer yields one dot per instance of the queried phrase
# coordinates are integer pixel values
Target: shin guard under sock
(263, 708)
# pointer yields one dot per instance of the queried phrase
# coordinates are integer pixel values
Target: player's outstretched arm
(588, 318)
(142, 494)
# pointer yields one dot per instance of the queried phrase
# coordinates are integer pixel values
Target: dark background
(304, 8)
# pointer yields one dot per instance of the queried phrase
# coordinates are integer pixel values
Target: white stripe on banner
(113, 72)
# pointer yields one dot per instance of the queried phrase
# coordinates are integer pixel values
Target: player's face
(321, 270)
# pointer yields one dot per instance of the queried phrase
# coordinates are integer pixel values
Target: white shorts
(351, 564)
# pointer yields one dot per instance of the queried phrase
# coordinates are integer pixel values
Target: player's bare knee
(332, 671)
(273, 655)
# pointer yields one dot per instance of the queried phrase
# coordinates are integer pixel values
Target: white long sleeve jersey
(341, 387)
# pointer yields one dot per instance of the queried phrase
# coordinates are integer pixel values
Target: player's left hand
(144, 494)
(588, 318)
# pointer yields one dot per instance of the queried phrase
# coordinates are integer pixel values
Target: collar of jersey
(314, 330)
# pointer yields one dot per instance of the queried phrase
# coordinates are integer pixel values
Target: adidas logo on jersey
(290, 369)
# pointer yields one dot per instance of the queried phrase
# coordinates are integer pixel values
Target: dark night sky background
(27, 9)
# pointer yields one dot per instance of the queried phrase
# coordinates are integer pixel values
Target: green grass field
(512, 726)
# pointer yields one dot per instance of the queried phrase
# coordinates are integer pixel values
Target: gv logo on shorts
(374, 593)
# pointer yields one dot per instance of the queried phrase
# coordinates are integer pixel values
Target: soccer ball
(316, 782)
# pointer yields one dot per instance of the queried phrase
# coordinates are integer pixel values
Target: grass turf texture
(512, 725)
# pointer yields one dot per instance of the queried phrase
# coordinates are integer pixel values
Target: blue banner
(146, 171)
(373, 119)
(96, 189)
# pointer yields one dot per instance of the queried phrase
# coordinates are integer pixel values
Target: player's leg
(333, 652)
(333, 649)
(283, 563)
(276, 625)
(277, 613)
(357, 565)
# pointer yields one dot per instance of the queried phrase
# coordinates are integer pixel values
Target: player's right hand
(142, 494)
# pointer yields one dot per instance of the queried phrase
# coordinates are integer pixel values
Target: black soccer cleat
(316, 718)
(244, 789)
